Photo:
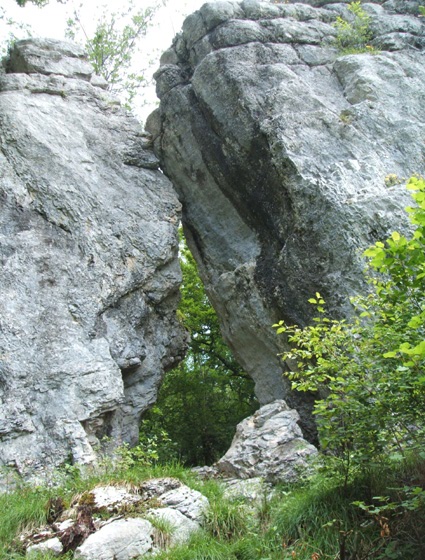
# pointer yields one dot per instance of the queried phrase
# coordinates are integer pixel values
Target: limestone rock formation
(279, 147)
(89, 271)
(170, 493)
(124, 524)
(268, 444)
(122, 539)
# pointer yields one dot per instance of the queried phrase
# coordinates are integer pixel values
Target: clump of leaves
(112, 47)
(354, 35)
(144, 454)
(368, 371)
(392, 179)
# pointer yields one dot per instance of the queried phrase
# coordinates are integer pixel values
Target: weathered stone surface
(279, 147)
(205, 472)
(249, 489)
(110, 536)
(48, 56)
(172, 493)
(181, 527)
(114, 498)
(123, 539)
(89, 270)
(268, 444)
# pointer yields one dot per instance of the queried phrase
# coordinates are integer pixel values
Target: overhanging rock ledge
(279, 147)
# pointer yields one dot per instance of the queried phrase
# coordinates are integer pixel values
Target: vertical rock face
(279, 147)
(89, 271)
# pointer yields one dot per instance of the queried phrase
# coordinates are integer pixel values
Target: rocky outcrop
(268, 444)
(122, 539)
(125, 522)
(89, 270)
(279, 147)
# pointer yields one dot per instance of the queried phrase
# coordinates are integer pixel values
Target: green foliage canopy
(202, 400)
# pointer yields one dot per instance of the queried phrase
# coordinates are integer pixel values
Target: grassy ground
(315, 520)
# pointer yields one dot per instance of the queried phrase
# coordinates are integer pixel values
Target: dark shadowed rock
(89, 270)
(279, 148)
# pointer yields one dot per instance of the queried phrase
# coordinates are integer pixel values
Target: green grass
(20, 510)
(25, 507)
(315, 519)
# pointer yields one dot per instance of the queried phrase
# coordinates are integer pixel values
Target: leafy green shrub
(145, 454)
(370, 369)
(354, 36)
(368, 372)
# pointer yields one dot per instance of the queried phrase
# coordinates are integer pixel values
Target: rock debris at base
(268, 445)
(131, 529)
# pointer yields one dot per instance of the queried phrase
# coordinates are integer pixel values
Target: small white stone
(52, 546)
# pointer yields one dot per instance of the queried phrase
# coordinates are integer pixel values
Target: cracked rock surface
(124, 522)
(279, 147)
(89, 271)
(268, 444)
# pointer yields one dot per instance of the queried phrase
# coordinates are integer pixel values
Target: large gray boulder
(89, 270)
(279, 147)
(269, 444)
(122, 539)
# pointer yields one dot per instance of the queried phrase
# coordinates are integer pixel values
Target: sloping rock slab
(123, 539)
(268, 444)
(48, 56)
(279, 147)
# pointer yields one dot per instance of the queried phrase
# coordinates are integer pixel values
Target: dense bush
(369, 371)
(354, 35)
